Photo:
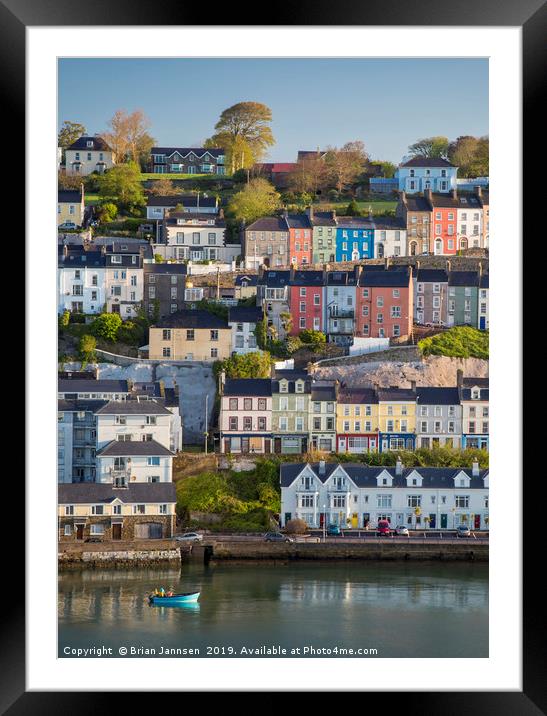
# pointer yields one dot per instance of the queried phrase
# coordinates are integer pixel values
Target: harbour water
(376, 609)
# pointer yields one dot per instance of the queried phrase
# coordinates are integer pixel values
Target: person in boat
(171, 592)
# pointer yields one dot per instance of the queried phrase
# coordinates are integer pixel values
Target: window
(233, 403)
(214, 335)
(383, 500)
(153, 460)
(232, 423)
(69, 509)
(190, 334)
(96, 530)
(214, 352)
(97, 509)
(247, 423)
(139, 509)
(461, 500)
(166, 352)
(262, 423)
(414, 500)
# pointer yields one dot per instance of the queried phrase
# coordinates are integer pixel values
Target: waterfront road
(351, 537)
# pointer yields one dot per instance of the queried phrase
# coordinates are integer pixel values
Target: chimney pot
(475, 469)
(399, 466)
(321, 467)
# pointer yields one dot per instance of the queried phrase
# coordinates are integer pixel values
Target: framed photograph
(225, 490)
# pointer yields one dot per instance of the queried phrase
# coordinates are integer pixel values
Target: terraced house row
(293, 413)
(441, 224)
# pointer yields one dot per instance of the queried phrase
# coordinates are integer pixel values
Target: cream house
(70, 206)
(87, 155)
(190, 335)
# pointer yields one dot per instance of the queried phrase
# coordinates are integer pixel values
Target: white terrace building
(125, 462)
(357, 496)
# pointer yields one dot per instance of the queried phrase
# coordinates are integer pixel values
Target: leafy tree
(244, 129)
(87, 347)
(68, 181)
(163, 187)
(128, 136)
(431, 147)
(353, 209)
(346, 164)
(107, 212)
(106, 326)
(286, 321)
(247, 365)
(68, 134)
(471, 155)
(310, 176)
(122, 183)
(296, 526)
(64, 319)
(156, 310)
(388, 168)
(256, 199)
(313, 337)
(261, 333)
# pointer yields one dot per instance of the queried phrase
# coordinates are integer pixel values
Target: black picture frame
(531, 16)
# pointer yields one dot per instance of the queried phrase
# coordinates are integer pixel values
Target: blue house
(354, 238)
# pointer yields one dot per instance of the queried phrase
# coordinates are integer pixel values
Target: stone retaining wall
(119, 558)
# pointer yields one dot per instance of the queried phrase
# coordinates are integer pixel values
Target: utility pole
(218, 283)
(206, 421)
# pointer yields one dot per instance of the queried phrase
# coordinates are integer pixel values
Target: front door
(432, 521)
(321, 519)
(116, 531)
(482, 323)
(267, 445)
(355, 520)
(277, 445)
(79, 531)
(477, 522)
(287, 517)
(444, 521)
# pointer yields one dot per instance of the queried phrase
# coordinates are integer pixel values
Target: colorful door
(477, 522)
(267, 445)
(79, 531)
(355, 520)
(287, 517)
(432, 521)
(444, 521)
(116, 531)
(482, 323)
(321, 519)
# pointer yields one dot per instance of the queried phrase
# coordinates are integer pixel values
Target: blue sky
(386, 103)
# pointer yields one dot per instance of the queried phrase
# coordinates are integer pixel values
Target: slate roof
(77, 406)
(135, 492)
(73, 385)
(184, 151)
(298, 221)
(427, 162)
(463, 278)
(308, 278)
(197, 318)
(389, 223)
(69, 196)
(323, 392)
(80, 258)
(484, 280)
(99, 144)
(437, 396)
(448, 201)
(245, 314)
(396, 394)
(431, 276)
(249, 279)
(275, 279)
(165, 268)
(291, 376)
(414, 203)
(341, 278)
(324, 218)
(388, 278)
(261, 387)
(357, 396)
(365, 475)
(184, 199)
(140, 448)
(132, 407)
(189, 216)
(269, 223)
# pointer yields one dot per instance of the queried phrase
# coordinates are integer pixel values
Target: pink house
(246, 415)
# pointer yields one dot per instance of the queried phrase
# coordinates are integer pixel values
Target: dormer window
(414, 480)
(475, 393)
(89, 143)
(283, 387)
(299, 385)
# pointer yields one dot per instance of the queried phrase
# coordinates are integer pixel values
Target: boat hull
(189, 598)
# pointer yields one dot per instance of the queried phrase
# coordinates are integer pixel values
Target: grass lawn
(378, 206)
(91, 199)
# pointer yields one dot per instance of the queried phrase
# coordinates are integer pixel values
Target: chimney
(333, 214)
(221, 381)
(322, 467)
(429, 194)
(176, 388)
(357, 271)
(403, 196)
(459, 377)
(221, 213)
(130, 385)
(418, 265)
(103, 249)
(387, 262)
(478, 189)
(399, 466)
(454, 193)
(65, 249)
(413, 385)
(475, 468)
(448, 265)
(480, 269)
(162, 388)
(309, 212)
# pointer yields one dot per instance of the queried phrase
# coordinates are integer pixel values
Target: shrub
(107, 212)
(296, 527)
(158, 258)
(87, 347)
(310, 336)
(106, 326)
(458, 342)
(64, 319)
(246, 365)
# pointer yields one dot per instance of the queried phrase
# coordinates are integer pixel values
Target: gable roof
(261, 387)
(431, 275)
(69, 196)
(74, 385)
(139, 448)
(269, 223)
(249, 279)
(99, 144)
(357, 395)
(97, 492)
(185, 151)
(188, 318)
(437, 396)
(463, 278)
(245, 314)
(184, 199)
(397, 278)
(133, 407)
(427, 162)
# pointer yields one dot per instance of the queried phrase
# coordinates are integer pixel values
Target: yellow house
(190, 335)
(397, 418)
(357, 420)
(70, 206)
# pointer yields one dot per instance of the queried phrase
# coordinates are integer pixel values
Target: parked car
(383, 528)
(190, 537)
(401, 530)
(277, 537)
(463, 531)
(67, 225)
(334, 530)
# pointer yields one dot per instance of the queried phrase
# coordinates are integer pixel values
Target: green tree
(68, 134)
(346, 164)
(244, 128)
(313, 337)
(352, 209)
(431, 147)
(158, 258)
(128, 136)
(64, 319)
(388, 168)
(87, 347)
(247, 365)
(122, 184)
(106, 326)
(107, 212)
(256, 199)
(286, 321)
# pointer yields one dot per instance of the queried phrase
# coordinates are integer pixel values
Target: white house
(469, 220)
(484, 304)
(123, 462)
(81, 281)
(87, 155)
(157, 206)
(357, 496)
(422, 173)
(144, 420)
(192, 236)
(242, 320)
(389, 237)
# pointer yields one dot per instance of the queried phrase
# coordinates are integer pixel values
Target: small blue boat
(175, 599)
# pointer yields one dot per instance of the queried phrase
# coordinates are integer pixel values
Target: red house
(306, 300)
(384, 302)
(444, 225)
(300, 239)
